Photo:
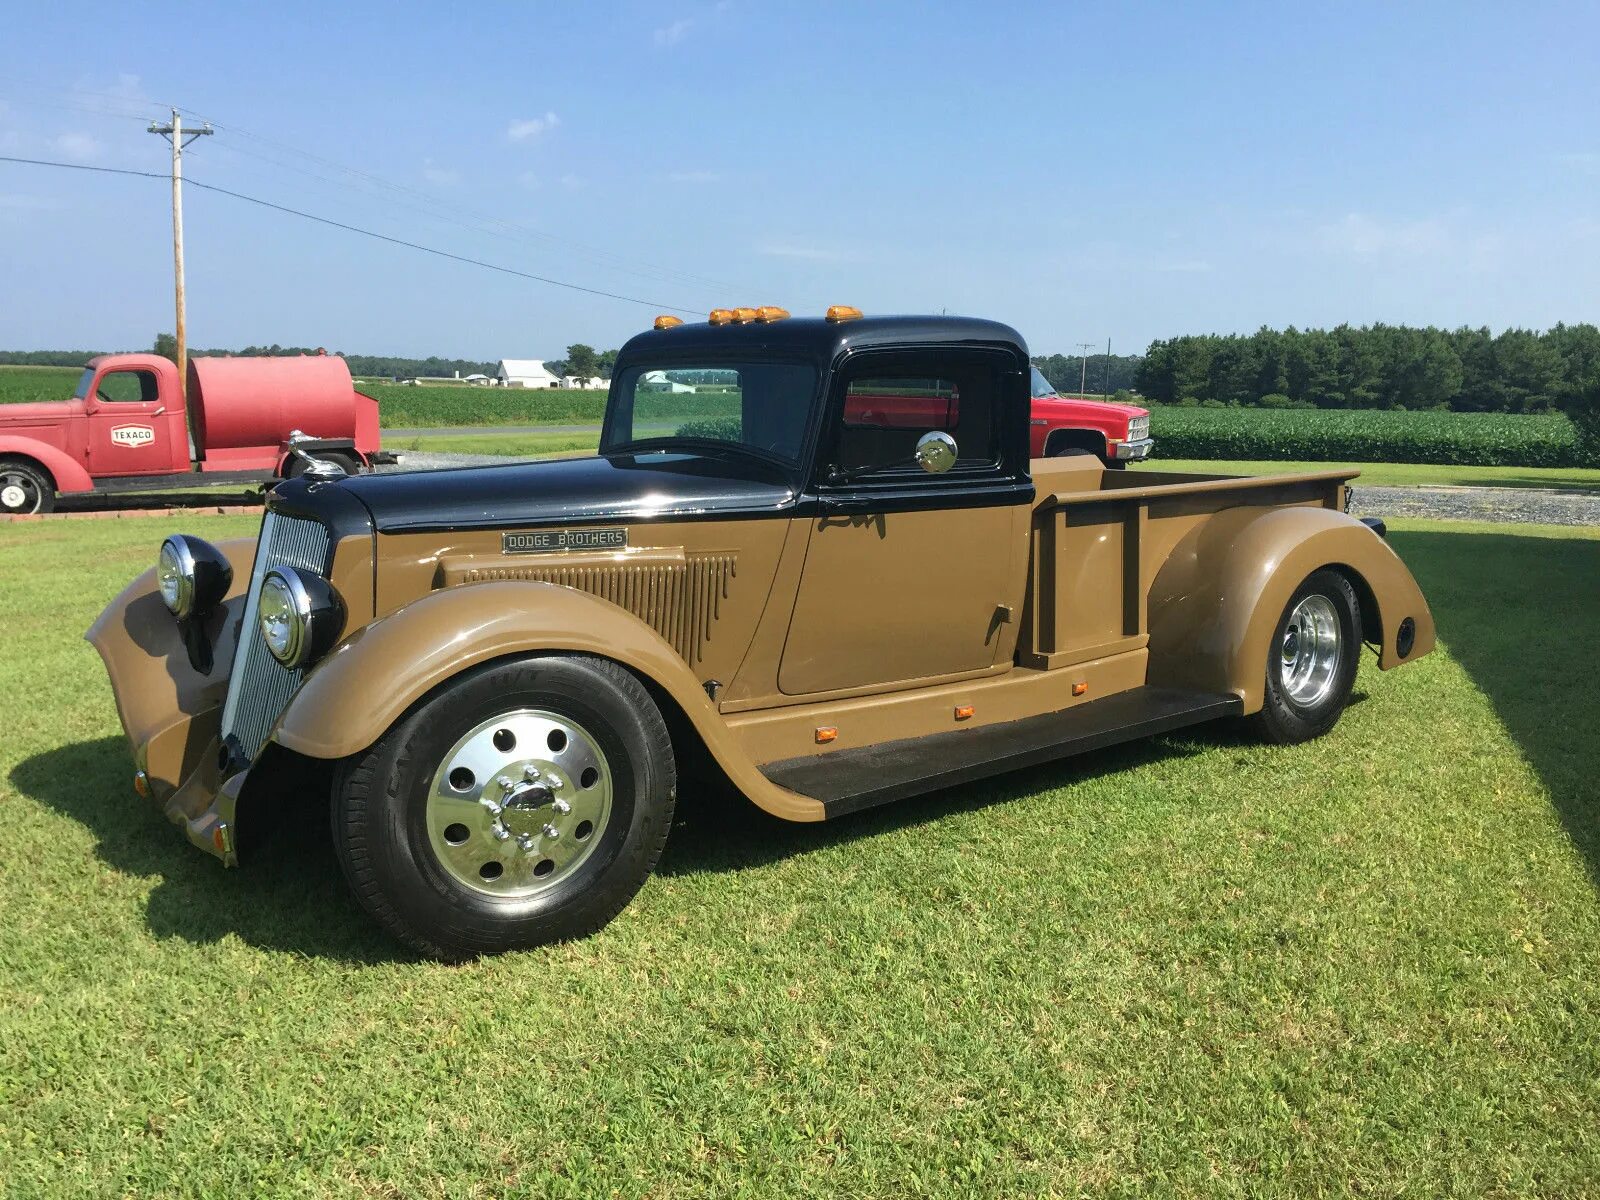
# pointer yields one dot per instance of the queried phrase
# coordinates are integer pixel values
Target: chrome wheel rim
(17, 493)
(1308, 656)
(518, 803)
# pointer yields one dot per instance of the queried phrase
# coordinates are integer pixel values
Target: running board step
(849, 780)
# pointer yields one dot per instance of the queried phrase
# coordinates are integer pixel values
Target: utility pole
(1105, 379)
(175, 133)
(1083, 362)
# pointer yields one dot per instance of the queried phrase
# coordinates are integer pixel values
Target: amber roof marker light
(665, 322)
(721, 316)
(744, 315)
(769, 313)
(844, 312)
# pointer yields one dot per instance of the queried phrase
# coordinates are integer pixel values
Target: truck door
(128, 430)
(910, 576)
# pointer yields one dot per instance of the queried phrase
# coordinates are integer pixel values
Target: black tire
(381, 800)
(1286, 718)
(25, 487)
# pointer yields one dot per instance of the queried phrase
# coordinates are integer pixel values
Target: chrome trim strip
(247, 629)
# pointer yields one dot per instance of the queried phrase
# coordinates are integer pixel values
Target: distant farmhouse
(589, 384)
(525, 372)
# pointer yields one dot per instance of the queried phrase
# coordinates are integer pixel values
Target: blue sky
(1081, 171)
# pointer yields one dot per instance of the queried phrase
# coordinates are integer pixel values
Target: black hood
(570, 491)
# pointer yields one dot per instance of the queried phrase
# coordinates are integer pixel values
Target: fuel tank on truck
(247, 402)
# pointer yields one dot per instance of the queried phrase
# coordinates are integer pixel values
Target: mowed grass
(510, 445)
(1195, 966)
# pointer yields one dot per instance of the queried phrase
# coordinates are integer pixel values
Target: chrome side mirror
(936, 452)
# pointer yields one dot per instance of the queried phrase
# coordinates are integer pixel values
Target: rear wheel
(524, 803)
(25, 487)
(1311, 664)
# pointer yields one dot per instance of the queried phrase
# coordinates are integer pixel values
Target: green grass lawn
(1196, 966)
(1395, 474)
(512, 445)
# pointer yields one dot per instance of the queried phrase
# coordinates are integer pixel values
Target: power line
(382, 237)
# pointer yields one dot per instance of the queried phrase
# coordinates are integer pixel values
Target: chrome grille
(260, 685)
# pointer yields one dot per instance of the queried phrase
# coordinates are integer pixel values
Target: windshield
(1041, 385)
(762, 407)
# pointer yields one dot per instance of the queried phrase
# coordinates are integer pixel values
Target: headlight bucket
(299, 615)
(192, 575)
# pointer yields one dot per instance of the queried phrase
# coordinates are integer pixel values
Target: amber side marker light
(844, 312)
(768, 313)
(721, 316)
(964, 711)
(826, 733)
(1078, 689)
(141, 784)
(665, 322)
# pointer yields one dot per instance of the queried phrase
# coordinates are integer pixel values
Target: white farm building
(525, 372)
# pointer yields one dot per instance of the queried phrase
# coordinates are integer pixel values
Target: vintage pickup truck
(127, 428)
(504, 677)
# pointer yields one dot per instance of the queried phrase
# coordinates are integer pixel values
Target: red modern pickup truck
(1059, 425)
(1117, 433)
(125, 428)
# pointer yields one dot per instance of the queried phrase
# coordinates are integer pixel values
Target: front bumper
(1133, 451)
(172, 712)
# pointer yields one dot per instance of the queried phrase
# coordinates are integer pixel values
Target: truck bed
(1116, 529)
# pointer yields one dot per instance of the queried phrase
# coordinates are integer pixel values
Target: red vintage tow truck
(126, 428)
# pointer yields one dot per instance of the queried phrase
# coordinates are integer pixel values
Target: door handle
(847, 504)
(159, 411)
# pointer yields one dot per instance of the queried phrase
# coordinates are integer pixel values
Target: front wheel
(25, 488)
(524, 803)
(1311, 664)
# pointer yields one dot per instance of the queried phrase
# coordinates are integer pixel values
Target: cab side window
(889, 405)
(127, 387)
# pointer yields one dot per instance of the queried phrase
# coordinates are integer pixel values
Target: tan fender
(371, 678)
(1216, 601)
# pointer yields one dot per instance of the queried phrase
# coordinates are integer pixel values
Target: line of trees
(1099, 374)
(1377, 366)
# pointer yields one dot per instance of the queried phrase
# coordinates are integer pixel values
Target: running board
(849, 780)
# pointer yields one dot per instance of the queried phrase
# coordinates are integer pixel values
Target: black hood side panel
(618, 489)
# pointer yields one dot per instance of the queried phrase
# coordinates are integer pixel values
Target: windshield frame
(1034, 380)
(731, 359)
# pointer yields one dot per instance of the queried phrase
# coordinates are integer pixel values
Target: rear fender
(69, 475)
(369, 681)
(1216, 601)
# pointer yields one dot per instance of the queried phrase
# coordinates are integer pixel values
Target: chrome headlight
(300, 615)
(193, 575)
(1138, 428)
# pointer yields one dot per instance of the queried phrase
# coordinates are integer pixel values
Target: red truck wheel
(25, 487)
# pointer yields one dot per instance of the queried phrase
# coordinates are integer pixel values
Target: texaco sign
(133, 435)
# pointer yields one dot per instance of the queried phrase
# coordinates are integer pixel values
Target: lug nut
(561, 807)
(501, 833)
(505, 783)
(525, 840)
(530, 772)
(553, 780)
(551, 832)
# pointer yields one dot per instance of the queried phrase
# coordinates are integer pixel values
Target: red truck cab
(1116, 433)
(125, 427)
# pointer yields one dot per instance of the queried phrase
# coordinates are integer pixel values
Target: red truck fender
(69, 476)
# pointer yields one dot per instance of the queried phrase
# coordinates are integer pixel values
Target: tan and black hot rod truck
(497, 672)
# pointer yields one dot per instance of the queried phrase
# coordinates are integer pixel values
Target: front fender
(69, 476)
(368, 682)
(1217, 599)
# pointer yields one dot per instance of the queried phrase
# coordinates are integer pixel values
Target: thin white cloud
(78, 146)
(531, 180)
(532, 127)
(1366, 236)
(671, 35)
(571, 181)
(797, 251)
(440, 176)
